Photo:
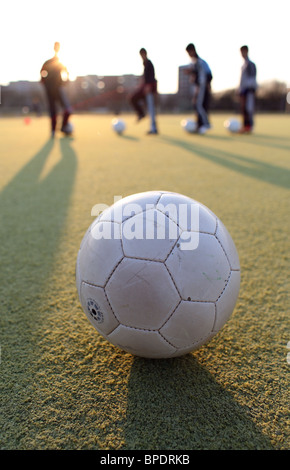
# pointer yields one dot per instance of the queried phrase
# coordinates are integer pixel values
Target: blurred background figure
(54, 76)
(247, 90)
(201, 77)
(146, 93)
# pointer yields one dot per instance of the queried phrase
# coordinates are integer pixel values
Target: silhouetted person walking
(201, 77)
(146, 93)
(51, 77)
(247, 90)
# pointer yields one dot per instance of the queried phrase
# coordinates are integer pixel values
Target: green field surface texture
(63, 386)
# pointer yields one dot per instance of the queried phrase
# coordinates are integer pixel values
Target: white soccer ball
(118, 125)
(68, 128)
(189, 125)
(232, 125)
(157, 274)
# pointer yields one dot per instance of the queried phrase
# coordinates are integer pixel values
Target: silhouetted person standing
(201, 77)
(247, 90)
(146, 93)
(51, 77)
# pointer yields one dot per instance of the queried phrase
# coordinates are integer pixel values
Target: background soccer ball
(189, 125)
(150, 296)
(68, 128)
(118, 125)
(232, 125)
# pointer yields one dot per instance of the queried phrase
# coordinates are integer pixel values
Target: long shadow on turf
(272, 137)
(130, 137)
(256, 139)
(240, 163)
(177, 404)
(33, 213)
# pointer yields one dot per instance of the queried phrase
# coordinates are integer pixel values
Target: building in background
(185, 89)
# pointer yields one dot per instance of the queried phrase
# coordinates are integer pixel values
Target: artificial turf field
(65, 387)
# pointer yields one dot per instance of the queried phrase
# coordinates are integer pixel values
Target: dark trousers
(248, 107)
(57, 97)
(141, 101)
(202, 106)
(138, 101)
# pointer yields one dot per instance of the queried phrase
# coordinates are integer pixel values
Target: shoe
(67, 129)
(202, 129)
(245, 130)
(152, 132)
(140, 116)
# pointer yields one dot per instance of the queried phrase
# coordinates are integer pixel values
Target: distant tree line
(270, 97)
(86, 96)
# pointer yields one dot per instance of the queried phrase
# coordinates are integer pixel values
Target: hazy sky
(104, 38)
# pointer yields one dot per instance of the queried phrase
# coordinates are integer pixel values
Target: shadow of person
(278, 142)
(247, 166)
(131, 137)
(177, 404)
(33, 213)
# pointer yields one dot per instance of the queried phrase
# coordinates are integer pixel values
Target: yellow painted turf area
(65, 387)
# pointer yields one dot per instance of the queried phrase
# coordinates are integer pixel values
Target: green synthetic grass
(62, 385)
